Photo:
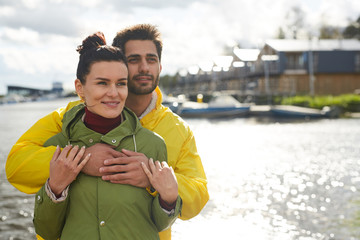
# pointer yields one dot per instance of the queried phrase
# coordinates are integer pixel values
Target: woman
(72, 205)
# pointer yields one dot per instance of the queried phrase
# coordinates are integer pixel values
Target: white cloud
(22, 35)
(7, 11)
(38, 37)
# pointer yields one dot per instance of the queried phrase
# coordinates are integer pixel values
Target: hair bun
(95, 40)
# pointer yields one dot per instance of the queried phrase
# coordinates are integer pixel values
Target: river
(267, 179)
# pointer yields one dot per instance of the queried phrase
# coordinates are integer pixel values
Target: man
(27, 166)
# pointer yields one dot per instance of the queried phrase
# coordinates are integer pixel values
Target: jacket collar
(151, 119)
(73, 124)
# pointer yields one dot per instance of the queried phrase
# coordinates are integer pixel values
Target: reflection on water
(267, 180)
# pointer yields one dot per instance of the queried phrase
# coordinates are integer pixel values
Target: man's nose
(144, 66)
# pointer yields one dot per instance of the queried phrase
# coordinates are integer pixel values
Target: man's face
(144, 66)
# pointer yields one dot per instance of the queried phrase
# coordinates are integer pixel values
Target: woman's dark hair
(94, 49)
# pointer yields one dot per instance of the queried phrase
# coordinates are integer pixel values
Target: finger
(83, 162)
(65, 152)
(118, 160)
(164, 164)
(120, 177)
(56, 153)
(131, 153)
(79, 155)
(152, 165)
(114, 169)
(146, 170)
(73, 152)
(157, 164)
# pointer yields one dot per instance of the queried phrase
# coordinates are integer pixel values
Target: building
(317, 67)
(283, 67)
(26, 91)
(31, 94)
(223, 73)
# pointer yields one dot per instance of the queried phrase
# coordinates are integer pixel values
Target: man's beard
(140, 90)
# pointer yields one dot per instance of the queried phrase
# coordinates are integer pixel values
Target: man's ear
(79, 89)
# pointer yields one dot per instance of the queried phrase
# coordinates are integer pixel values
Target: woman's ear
(79, 89)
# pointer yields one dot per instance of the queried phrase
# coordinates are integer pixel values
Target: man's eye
(101, 83)
(132, 60)
(152, 60)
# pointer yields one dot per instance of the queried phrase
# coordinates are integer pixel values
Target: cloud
(45, 19)
(38, 37)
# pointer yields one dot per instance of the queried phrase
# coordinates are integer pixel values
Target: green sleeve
(162, 219)
(49, 217)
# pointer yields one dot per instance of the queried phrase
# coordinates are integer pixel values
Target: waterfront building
(282, 67)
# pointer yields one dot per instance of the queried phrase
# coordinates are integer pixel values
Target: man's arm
(191, 179)
(27, 165)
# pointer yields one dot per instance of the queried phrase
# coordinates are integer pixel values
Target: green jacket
(96, 209)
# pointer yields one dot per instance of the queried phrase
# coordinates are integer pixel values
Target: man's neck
(138, 103)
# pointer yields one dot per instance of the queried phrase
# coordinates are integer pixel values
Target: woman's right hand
(65, 165)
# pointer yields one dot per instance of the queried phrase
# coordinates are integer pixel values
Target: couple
(28, 162)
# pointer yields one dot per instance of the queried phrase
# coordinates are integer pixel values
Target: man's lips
(144, 78)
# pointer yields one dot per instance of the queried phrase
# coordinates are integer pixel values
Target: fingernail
(83, 147)
(89, 154)
(101, 169)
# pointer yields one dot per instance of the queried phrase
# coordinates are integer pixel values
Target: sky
(38, 38)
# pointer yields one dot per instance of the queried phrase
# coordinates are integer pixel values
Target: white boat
(222, 106)
(301, 112)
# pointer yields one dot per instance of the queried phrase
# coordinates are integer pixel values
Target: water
(267, 180)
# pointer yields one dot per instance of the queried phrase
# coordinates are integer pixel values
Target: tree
(295, 21)
(167, 82)
(329, 32)
(280, 34)
(353, 30)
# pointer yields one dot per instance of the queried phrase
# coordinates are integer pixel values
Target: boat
(301, 112)
(222, 106)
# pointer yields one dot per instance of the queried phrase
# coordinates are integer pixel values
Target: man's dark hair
(139, 32)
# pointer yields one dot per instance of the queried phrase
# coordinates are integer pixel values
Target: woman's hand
(163, 179)
(65, 165)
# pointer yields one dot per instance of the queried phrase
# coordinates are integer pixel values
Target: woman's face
(105, 89)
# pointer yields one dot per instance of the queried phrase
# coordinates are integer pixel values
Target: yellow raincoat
(27, 166)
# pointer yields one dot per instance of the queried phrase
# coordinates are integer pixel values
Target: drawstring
(134, 142)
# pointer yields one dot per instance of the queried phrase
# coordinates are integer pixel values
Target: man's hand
(126, 169)
(99, 153)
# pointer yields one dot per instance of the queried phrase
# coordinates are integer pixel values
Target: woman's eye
(122, 84)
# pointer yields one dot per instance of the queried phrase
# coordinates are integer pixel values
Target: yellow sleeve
(27, 165)
(191, 179)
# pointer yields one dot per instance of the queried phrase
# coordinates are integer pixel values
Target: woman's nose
(112, 91)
